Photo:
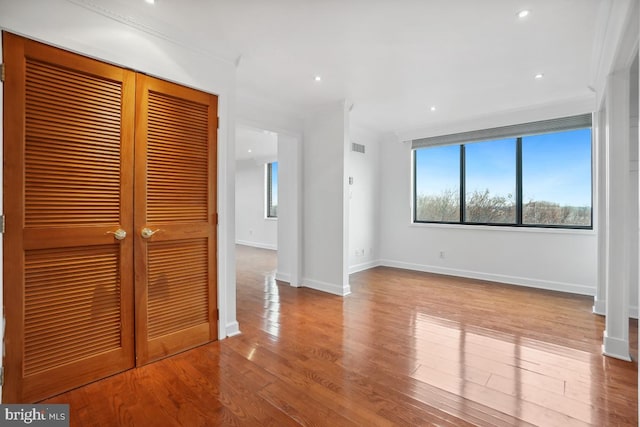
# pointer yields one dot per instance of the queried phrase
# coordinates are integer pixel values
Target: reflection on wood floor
(405, 348)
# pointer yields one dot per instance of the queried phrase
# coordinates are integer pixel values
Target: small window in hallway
(272, 190)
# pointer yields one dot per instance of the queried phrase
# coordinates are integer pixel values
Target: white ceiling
(392, 59)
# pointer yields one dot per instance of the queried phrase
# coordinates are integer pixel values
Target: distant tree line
(482, 207)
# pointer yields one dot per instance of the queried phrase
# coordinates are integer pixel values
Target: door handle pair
(121, 234)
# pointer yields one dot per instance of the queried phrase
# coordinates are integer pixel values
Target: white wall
(634, 191)
(64, 24)
(325, 206)
(289, 208)
(563, 260)
(618, 205)
(364, 200)
(621, 259)
(600, 207)
(615, 49)
(267, 114)
(252, 227)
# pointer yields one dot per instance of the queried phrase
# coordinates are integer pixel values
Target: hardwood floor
(405, 348)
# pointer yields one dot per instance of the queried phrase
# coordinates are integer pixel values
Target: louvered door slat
(78, 89)
(70, 169)
(185, 304)
(178, 297)
(174, 128)
(48, 114)
(176, 289)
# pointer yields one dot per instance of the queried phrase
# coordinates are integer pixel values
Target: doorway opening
(257, 188)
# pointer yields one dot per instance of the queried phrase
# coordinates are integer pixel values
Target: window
(556, 178)
(490, 182)
(272, 190)
(437, 176)
(536, 174)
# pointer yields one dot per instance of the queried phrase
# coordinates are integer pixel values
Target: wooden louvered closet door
(68, 152)
(86, 295)
(175, 175)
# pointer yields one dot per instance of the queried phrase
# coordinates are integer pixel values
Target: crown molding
(152, 27)
(616, 37)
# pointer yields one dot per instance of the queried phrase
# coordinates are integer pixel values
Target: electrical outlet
(442, 254)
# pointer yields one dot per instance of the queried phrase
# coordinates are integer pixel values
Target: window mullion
(519, 206)
(415, 185)
(462, 183)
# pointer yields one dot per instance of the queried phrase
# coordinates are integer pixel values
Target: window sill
(506, 228)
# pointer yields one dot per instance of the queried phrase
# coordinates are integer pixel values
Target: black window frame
(519, 184)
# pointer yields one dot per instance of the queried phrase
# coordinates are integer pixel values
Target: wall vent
(358, 148)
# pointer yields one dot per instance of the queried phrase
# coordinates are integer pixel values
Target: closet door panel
(68, 188)
(175, 219)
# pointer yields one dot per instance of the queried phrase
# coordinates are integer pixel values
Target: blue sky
(493, 166)
(556, 167)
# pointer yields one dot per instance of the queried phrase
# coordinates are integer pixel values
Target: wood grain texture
(72, 150)
(72, 305)
(174, 185)
(405, 348)
(177, 286)
(177, 159)
(68, 185)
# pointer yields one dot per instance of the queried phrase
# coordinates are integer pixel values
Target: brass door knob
(119, 234)
(147, 232)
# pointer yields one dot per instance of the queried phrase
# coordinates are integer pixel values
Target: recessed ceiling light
(249, 150)
(317, 78)
(151, 1)
(433, 108)
(523, 14)
(538, 76)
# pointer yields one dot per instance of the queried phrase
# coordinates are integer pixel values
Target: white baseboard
(501, 278)
(600, 307)
(257, 245)
(616, 347)
(330, 288)
(283, 277)
(363, 266)
(232, 329)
